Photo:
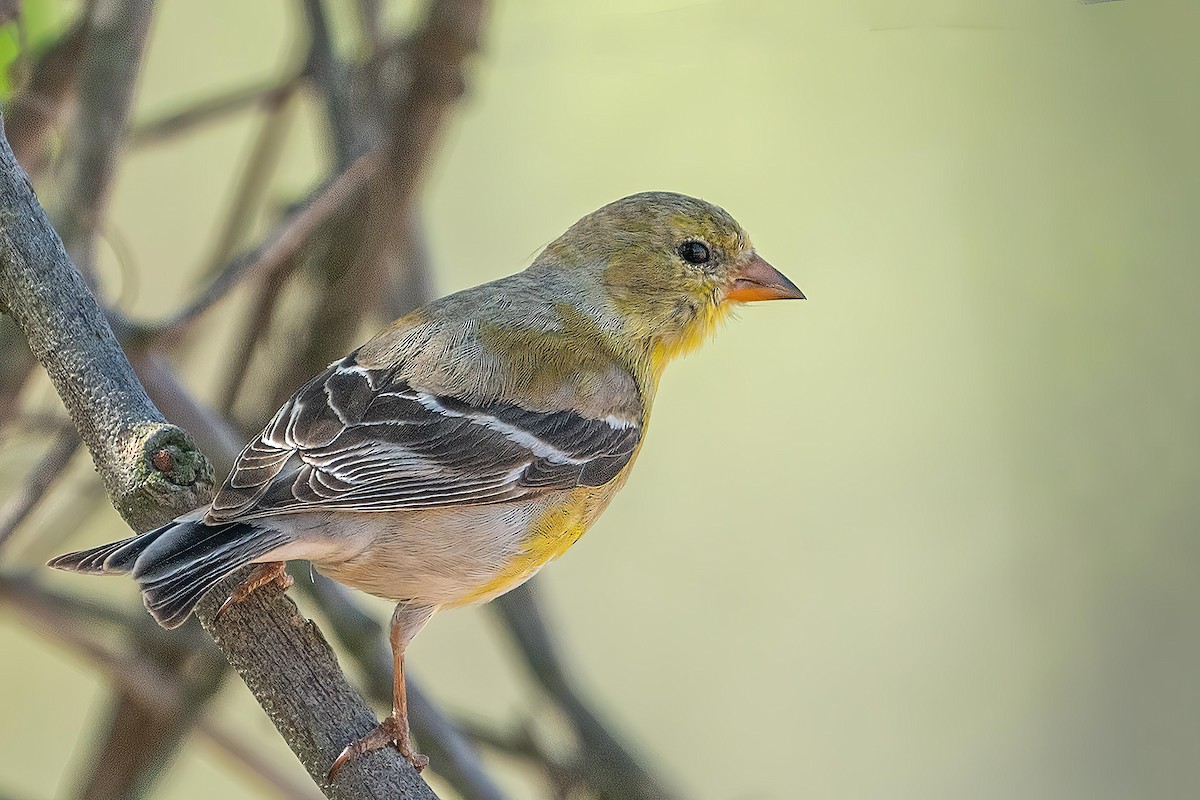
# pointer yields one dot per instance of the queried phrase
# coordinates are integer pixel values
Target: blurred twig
(161, 684)
(39, 481)
(113, 42)
(607, 766)
(72, 621)
(278, 250)
(256, 176)
(242, 753)
(521, 743)
(60, 618)
(37, 109)
(257, 322)
(351, 131)
(355, 260)
(208, 111)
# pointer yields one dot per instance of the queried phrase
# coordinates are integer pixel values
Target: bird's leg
(267, 572)
(393, 731)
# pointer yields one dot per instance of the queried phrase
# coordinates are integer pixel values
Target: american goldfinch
(448, 459)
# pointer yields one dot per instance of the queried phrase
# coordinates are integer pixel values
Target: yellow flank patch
(549, 537)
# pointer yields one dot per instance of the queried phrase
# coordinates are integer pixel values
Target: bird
(475, 439)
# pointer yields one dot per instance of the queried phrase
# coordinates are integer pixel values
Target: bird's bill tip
(757, 280)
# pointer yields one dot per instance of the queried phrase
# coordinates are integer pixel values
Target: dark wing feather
(363, 440)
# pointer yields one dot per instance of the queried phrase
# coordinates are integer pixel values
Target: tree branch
(365, 641)
(73, 622)
(292, 671)
(67, 332)
(283, 659)
(416, 112)
(605, 764)
(280, 247)
(43, 476)
(39, 105)
(209, 110)
(114, 40)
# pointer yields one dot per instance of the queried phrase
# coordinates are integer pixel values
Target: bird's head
(670, 266)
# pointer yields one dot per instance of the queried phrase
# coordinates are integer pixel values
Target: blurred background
(930, 534)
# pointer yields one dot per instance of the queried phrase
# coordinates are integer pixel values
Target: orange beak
(758, 280)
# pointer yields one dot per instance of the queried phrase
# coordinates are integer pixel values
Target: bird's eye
(694, 252)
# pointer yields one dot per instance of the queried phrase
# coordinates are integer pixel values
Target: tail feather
(176, 564)
(114, 558)
(174, 580)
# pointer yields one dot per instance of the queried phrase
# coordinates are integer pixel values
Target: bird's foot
(392, 732)
(269, 572)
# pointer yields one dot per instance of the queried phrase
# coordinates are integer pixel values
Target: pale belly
(444, 557)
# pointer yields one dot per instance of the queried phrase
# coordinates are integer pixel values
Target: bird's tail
(176, 564)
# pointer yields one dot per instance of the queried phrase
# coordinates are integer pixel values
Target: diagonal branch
(41, 478)
(277, 252)
(154, 472)
(82, 624)
(210, 110)
(365, 641)
(39, 106)
(114, 41)
(68, 333)
(606, 765)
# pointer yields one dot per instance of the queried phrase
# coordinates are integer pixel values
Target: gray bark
(153, 472)
(151, 469)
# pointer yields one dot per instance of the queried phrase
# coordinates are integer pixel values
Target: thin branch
(151, 711)
(277, 252)
(523, 744)
(38, 107)
(356, 255)
(37, 483)
(262, 769)
(64, 617)
(36, 421)
(257, 322)
(351, 133)
(370, 20)
(209, 111)
(154, 688)
(45, 295)
(114, 40)
(607, 766)
(256, 177)
(44, 602)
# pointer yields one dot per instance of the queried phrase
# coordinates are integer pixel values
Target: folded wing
(364, 440)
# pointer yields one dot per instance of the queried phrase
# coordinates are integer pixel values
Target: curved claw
(268, 572)
(392, 732)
